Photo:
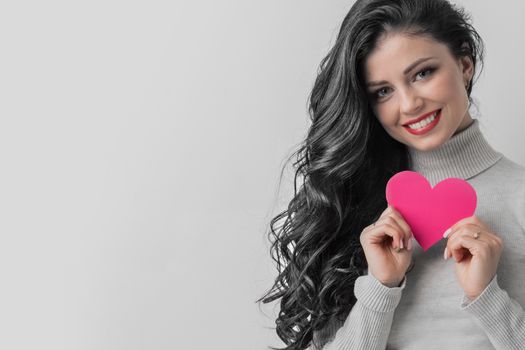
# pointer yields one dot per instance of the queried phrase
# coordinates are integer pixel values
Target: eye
(380, 93)
(428, 71)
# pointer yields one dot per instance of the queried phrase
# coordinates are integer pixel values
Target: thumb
(461, 247)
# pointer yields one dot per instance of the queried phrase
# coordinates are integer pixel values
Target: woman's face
(410, 78)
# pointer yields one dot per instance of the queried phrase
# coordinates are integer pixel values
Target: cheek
(385, 113)
(444, 88)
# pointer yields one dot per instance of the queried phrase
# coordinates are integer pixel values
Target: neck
(464, 155)
(465, 123)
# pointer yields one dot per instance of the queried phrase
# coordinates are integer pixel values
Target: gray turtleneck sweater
(429, 309)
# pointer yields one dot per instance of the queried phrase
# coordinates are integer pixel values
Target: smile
(424, 125)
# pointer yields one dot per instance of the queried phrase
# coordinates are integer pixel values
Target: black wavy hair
(343, 166)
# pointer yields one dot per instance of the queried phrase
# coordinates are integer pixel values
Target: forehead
(396, 51)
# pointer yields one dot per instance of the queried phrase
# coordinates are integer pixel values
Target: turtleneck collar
(463, 156)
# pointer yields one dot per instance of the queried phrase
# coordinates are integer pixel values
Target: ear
(466, 66)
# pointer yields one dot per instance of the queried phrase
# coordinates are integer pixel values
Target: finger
(396, 215)
(465, 243)
(488, 237)
(394, 221)
(379, 233)
(465, 226)
(472, 220)
(387, 220)
(470, 230)
(451, 240)
(385, 212)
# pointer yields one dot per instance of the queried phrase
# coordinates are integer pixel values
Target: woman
(393, 94)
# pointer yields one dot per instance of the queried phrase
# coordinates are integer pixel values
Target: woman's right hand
(387, 245)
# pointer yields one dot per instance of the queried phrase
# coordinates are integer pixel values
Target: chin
(426, 145)
(424, 148)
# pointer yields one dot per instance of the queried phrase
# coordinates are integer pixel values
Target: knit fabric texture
(429, 309)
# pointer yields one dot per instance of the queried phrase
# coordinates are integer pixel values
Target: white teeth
(424, 122)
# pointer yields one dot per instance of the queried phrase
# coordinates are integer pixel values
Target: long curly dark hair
(343, 166)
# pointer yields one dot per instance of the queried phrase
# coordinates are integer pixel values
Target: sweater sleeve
(370, 319)
(501, 317)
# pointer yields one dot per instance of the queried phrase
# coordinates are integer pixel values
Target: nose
(410, 102)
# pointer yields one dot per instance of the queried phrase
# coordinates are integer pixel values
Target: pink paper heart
(430, 211)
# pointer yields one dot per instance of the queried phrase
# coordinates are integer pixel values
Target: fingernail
(401, 244)
(447, 232)
(410, 243)
(445, 255)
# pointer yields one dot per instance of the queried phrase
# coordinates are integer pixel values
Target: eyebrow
(407, 70)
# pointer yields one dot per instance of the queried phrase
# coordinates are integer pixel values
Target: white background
(141, 144)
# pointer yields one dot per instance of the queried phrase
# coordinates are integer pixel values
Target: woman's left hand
(476, 259)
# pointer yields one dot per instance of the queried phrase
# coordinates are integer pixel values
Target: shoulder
(512, 178)
(503, 183)
(505, 174)
(513, 175)
(512, 169)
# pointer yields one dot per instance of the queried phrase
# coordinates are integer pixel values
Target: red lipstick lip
(426, 129)
(424, 116)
